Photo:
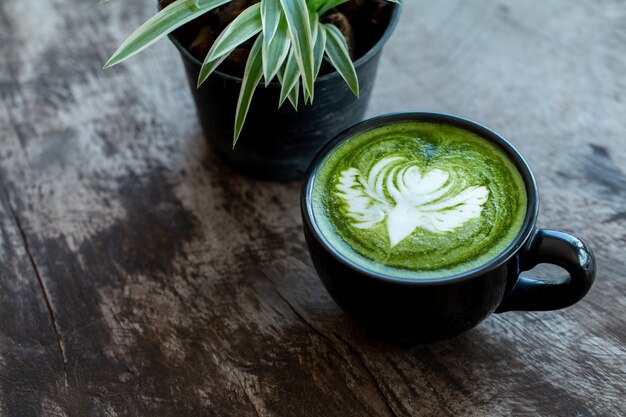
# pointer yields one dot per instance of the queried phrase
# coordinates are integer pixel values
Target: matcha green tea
(419, 200)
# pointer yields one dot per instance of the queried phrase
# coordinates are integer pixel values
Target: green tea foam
(419, 200)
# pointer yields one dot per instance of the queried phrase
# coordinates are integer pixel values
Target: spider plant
(291, 42)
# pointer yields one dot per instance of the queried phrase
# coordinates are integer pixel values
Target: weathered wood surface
(139, 276)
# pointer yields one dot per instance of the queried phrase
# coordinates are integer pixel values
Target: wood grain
(140, 276)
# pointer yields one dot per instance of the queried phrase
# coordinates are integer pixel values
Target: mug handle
(557, 248)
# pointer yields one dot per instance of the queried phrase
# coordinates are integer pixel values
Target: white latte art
(407, 198)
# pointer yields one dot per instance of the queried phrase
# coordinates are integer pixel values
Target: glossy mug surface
(425, 305)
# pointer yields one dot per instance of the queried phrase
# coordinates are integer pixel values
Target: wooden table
(141, 277)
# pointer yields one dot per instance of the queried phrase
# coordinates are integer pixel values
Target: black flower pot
(278, 144)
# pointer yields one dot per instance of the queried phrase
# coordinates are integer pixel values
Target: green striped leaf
(294, 94)
(275, 53)
(319, 47)
(208, 67)
(251, 78)
(271, 12)
(164, 22)
(289, 77)
(316, 4)
(330, 4)
(337, 51)
(298, 20)
(245, 26)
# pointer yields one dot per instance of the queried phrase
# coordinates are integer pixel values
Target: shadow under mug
(427, 310)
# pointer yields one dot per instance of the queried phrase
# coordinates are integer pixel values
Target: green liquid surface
(419, 200)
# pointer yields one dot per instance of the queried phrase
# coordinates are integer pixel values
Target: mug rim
(526, 231)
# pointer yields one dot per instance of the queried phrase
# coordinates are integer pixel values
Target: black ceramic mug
(426, 310)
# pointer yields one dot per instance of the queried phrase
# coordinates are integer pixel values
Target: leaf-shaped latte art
(407, 198)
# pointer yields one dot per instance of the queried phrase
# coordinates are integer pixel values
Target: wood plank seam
(245, 391)
(42, 285)
(332, 345)
(359, 358)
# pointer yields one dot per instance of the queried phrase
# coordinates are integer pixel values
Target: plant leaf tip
(114, 60)
(109, 64)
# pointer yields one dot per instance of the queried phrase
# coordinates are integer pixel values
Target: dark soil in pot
(278, 144)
